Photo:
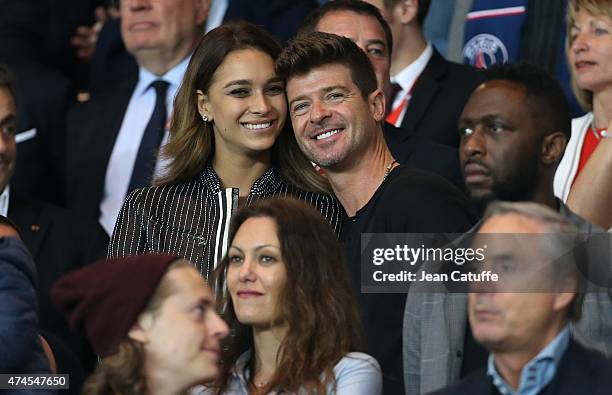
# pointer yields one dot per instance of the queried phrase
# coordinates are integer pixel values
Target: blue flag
(493, 32)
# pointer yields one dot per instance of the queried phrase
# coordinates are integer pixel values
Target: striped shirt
(192, 219)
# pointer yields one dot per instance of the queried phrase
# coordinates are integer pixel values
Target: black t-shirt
(408, 201)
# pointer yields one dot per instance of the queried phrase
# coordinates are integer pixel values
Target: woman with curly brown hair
(294, 323)
(229, 146)
(157, 335)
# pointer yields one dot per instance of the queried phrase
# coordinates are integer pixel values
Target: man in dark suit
(58, 240)
(524, 318)
(113, 139)
(363, 23)
(427, 92)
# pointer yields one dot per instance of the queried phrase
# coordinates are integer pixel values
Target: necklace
(388, 169)
(260, 384)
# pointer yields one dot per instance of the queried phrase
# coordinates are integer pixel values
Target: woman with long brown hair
(229, 146)
(285, 290)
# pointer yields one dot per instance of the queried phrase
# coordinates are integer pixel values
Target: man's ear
(204, 105)
(140, 330)
(553, 148)
(406, 11)
(376, 101)
(566, 292)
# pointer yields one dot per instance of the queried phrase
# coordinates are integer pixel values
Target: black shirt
(408, 201)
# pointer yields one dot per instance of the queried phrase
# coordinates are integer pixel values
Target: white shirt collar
(408, 76)
(4, 201)
(174, 76)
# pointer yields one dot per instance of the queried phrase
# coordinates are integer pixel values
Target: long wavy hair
(593, 7)
(317, 301)
(192, 141)
(123, 371)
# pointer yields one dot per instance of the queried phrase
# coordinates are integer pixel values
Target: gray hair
(562, 244)
(551, 220)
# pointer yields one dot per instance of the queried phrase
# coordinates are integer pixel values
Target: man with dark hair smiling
(337, 112)
(363, 23)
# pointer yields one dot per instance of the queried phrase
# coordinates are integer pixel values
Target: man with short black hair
(513, 132)
(337, 111)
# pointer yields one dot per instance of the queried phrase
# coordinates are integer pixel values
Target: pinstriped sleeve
(329, 207)
(129, 235)
(335, 214)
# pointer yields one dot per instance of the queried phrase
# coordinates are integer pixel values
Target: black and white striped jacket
(192, 219)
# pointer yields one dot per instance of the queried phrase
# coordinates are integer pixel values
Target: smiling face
(181, 339)
(8, 147)
(590, 51)
(256, 275)
(245, 103)
(366, 32)
(333, 124)
(500, 143)
(162, 28)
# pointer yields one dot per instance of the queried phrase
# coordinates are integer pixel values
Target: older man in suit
(524, 319)
(113, 139)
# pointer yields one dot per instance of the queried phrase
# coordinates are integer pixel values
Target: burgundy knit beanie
(103, 300)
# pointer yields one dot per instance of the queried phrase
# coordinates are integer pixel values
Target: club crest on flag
(484, 50)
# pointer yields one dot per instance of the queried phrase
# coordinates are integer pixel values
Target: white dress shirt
(216, 14)
(4, 201)
(406, 79)
(125, 150)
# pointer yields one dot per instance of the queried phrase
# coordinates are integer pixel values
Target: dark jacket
(438, 98)
(60, 242)
(92, 130)
(581, 371)
(22, 351)
(420, 152)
